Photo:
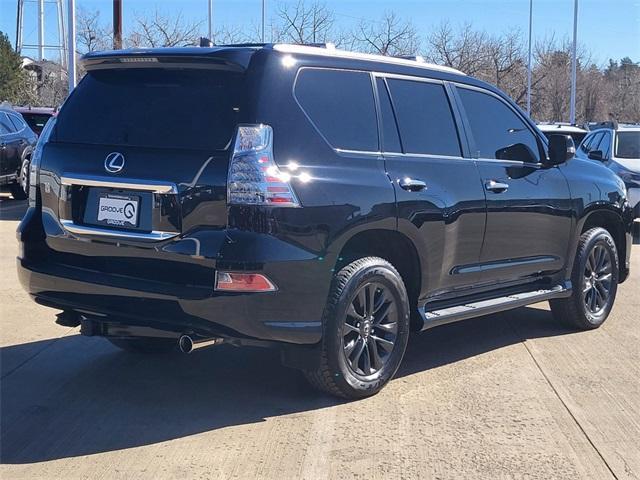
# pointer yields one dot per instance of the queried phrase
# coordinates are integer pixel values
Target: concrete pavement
(513, 395)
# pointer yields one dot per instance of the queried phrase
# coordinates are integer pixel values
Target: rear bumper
(292, 314)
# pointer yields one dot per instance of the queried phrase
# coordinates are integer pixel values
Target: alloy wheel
(370, 329)
(596, 286)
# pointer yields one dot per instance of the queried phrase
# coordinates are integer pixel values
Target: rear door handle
(495, 186)
(412, 184)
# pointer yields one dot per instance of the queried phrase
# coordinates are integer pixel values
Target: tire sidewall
(357, 384)
(601, 237)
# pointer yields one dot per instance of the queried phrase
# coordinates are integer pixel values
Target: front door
(528, 204)
(440, 200)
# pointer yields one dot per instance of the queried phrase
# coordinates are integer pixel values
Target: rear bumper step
(434, 318)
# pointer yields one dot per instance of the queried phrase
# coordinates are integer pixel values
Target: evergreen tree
(12, 76)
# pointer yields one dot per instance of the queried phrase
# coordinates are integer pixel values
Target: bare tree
(91, 35)
(160, 30)
(505, 64)
(305, 23)
(464, 49)
(389, 36)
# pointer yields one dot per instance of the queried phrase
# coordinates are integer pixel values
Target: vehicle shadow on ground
(80, 396)
(11, 209)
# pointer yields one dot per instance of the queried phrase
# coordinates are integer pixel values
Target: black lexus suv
(322, 202)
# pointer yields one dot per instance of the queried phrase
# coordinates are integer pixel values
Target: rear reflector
(243, 282)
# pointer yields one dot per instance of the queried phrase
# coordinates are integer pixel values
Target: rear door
(440, 200)
(528, 205)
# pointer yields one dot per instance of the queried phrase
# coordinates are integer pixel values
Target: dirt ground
(513, 395)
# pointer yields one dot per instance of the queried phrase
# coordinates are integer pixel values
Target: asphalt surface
(513, 395)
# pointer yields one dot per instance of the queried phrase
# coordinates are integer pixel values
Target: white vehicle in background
(618, 147)
(554, 128)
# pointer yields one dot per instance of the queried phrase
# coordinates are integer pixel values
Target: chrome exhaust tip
(188, 344)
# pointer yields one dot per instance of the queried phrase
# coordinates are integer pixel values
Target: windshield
(153, 107)
(628, 145)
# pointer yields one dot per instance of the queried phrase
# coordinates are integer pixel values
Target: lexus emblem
(114, 162)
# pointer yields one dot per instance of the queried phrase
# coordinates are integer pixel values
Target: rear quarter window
(341, 106)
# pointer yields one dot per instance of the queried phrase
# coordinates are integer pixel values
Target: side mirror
(517, 151)
(596, 155)
(561, 149)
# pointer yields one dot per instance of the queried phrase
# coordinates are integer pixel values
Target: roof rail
(415, 58)
(312, 50)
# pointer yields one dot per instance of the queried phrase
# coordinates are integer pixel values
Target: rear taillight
(36, 160)
(254, 177)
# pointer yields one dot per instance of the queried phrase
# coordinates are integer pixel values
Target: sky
(607, 28)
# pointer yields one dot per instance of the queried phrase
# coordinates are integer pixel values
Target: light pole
(529, 63)
(210, 20)
(71, 68)
(263, 14)
(41, 40)
(574, 66)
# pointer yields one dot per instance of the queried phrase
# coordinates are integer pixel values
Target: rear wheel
(144, 345)
(366, 327)
(594, 280)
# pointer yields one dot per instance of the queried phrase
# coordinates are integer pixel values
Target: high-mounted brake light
(254, 177)
(243, 282)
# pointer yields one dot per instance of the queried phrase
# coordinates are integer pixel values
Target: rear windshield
(187, 108)
(36, 121)
(628, 145)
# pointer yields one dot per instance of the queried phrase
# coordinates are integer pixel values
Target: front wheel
(594, 280)
(366, 328)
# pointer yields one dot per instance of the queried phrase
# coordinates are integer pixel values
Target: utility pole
(574, 66)
(263, 17)
(117, 24)
(210, 31)
(71, 69)
(40, 29)
(529, 63)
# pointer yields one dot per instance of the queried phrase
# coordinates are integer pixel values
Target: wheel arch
(612, 221)
(397, 249)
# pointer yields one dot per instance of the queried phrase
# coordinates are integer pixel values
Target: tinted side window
(7, 126)
(497, 130)
(424, 118)
(17, 122)
(340, 103)
(389, 127)
(593, 145)
(605, 145)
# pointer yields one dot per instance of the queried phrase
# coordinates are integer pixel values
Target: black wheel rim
(370, 329)
(596, 286)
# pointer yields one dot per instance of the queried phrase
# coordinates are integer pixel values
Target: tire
(594, 280)
(144, 345)
(23, 176)
(365, 330)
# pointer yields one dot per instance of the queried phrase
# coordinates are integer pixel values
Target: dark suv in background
(319, 201)
(17, 142)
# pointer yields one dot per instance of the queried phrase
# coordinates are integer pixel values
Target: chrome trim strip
(130, 184)
(154, 236)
